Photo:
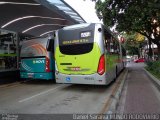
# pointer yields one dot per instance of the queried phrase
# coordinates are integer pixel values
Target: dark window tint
(33, 57)
(76, 49)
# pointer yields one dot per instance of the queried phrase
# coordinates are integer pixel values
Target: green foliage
(131, 44)
(154, 68)
(132, 15)
(123, 51)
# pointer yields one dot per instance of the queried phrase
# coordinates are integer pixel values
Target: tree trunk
(158, 47)
(150, 49)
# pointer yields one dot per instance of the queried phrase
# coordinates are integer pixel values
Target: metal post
(120, 50)
(17, 49)
(8, 48)
(152, 51)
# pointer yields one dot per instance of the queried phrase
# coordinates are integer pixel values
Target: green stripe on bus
(7, 55)
(112, 60)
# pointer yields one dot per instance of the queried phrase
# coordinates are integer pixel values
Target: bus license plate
(30, 75)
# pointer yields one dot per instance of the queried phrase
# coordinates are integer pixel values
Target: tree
(134, 42)
(142, 16)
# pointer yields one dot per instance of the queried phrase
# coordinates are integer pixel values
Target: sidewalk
(139, 94)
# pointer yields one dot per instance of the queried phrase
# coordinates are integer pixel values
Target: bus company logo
(78, 41)
(38, 61)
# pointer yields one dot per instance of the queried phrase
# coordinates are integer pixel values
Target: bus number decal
(85, 34)
(89, 78)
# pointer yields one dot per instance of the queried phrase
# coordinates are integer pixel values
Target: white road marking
(41, 93)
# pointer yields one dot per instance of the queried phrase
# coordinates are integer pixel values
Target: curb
(153, 78)
(116, 97)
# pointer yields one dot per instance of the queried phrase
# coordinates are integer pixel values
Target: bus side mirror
(50, 45)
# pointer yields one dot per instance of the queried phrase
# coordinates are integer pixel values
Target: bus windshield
(76, 41)
(34, 48)
(30, 53)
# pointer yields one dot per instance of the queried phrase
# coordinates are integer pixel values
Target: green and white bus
(86, 54)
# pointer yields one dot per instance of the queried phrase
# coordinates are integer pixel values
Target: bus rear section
(36, 61)
(79, 58)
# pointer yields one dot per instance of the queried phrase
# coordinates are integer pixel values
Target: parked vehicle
(139, 60)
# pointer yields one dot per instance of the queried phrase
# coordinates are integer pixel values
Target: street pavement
(139, 94)
(37, 97)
